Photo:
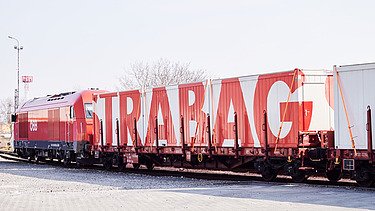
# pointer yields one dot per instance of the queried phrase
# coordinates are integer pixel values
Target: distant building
(5, 128)
(5, 134)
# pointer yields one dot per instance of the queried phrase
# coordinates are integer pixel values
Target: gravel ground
(25, 186)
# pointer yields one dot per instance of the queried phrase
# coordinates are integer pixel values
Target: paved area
(25, 186)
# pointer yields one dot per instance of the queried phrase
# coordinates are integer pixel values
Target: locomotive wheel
(66, 162)
(36, 158)
(363, 177)
(136, 166)
(60, 157)
(107, 164)
(268, 173)
(334, 175)
(78, 164)
(48, 160)
(66, 158)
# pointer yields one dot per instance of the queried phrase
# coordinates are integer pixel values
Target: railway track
(202, 174)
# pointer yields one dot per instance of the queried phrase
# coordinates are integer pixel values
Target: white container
(358, 90)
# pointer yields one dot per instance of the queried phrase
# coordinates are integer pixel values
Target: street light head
(15, 47)
(21, 47)
(10, 37)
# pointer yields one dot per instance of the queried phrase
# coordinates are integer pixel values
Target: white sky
(80, 44)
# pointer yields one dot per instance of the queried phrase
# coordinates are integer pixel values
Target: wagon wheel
(365, 183)
(120, 164)
(136, 166)
(107, 164)
(79, 164)
(299, 176)
(296, 174)
(268, 173)
(150, 166)
(334, 175)
(363, 177)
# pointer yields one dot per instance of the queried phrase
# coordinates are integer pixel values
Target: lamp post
(17, 91)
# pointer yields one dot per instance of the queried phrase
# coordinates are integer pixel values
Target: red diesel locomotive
(55, 127)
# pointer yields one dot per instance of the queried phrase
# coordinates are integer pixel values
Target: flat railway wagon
(354, 102)
(271, 123)
(55, 127)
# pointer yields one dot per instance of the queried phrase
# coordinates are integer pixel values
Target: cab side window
(88, 110)
(71, 113)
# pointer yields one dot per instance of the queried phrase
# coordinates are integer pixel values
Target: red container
(294, 101)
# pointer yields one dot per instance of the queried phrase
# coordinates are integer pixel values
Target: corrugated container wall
(357, 87)
(299, 99)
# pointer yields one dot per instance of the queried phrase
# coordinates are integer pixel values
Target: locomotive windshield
(88, 110)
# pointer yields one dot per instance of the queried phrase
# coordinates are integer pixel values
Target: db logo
(33, 126)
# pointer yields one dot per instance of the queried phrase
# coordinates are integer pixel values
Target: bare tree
(160, 73)
(6, 106)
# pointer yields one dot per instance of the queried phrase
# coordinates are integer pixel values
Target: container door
(107, 111)
(315, 103)
(162, 117)
(193, 110)
(369, 100)
(352, 87)
(229, 109)
(131, 118)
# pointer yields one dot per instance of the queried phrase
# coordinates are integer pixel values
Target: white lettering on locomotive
(33, 126)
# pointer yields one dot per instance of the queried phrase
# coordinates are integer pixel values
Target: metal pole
(17, 92)
(156, 131)
(265, 134)
(118, 135)
(18, 74)
(236, 147)
(182, 131)
(209, 136)
(101, 133)
(135, 135)
(369, 134)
